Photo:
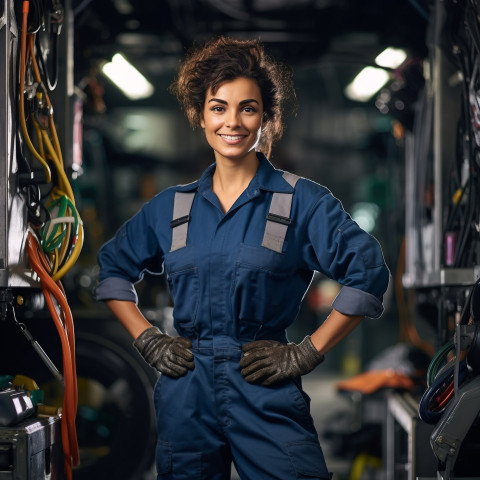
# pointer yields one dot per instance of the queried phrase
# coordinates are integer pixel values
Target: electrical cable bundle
(452, 364)
(66, 228)
(440, 384)
(440, 392)
(55, 235)
(462, 225)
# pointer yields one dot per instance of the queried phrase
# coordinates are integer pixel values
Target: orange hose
(66, 411)
(71, 341)
(66, 333)
(408, 331)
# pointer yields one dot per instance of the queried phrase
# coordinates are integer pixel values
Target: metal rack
(14, 270)
(407, 436)
(425, 257)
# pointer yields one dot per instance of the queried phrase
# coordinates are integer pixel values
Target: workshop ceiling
(153, 35)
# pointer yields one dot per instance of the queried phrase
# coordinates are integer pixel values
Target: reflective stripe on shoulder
(278, 217)
(182, 204)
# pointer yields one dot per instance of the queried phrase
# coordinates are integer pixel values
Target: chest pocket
(183, 282)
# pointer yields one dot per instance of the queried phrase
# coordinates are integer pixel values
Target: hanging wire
(55, 236)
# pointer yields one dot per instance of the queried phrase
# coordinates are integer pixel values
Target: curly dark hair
(225, 59)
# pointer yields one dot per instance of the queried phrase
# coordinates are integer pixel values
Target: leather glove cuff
(310, 353)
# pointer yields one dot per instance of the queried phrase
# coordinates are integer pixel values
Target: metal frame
(402, 413)
(14, 267)
(4, 135)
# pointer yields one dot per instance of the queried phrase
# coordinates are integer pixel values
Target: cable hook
(37, 347)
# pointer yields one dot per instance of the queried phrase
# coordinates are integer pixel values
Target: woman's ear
(202, 121)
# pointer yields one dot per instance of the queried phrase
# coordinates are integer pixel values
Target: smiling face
(232, 119)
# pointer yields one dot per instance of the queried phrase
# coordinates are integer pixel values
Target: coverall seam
(189, 233)
(308, 218)
(363, 285)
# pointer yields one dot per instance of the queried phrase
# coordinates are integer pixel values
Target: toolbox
(32, 450)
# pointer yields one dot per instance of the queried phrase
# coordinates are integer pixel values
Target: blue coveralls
(228, 290)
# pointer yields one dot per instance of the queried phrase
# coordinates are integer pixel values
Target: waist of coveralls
(227, 343)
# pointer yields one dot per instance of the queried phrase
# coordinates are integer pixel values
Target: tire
(115, 418)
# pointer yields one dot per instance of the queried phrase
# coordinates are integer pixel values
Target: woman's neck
(231, 178)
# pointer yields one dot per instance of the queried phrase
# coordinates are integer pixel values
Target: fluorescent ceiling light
(368, 82)
(391, 57)
(127, 78)
(371, 79)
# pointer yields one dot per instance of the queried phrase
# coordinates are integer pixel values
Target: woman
(239, 247)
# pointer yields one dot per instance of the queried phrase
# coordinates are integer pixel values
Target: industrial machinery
(443, 232)
(41, 229)
(84, 398)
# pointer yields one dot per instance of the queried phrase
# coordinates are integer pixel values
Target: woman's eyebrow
(218, 100)
(250, 100)
(243, 102)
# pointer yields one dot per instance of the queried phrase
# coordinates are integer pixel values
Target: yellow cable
(38, 78)
(73, 257)
(38, 132)
(54, 262)
(64, 187)
(56, 142)
(62, 176)
(56, 193)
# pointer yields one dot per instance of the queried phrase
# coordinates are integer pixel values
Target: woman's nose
(233, 119)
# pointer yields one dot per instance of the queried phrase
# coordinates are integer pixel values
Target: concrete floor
(327, 403)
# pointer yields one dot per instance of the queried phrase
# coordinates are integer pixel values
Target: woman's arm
(333, 330)
(129, 316)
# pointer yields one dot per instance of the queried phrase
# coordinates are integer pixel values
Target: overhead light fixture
(371, 79)
(127, 78)
(368, 82)
(391, 57)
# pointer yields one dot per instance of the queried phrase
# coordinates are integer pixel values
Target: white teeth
(232, 137)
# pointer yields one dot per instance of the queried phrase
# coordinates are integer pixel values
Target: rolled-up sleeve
(340, 249)
(115, 288)
(123, 260)
(351, 301)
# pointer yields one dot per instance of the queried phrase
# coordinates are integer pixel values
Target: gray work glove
(169, 355)
(267, 362)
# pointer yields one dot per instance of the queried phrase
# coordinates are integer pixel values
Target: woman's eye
(249, 109)
(217, 109)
